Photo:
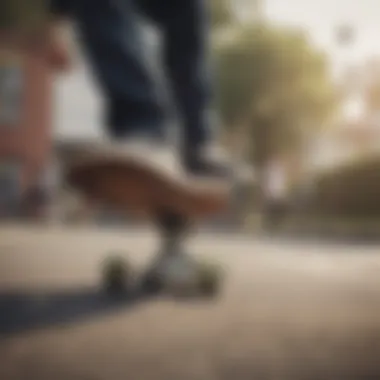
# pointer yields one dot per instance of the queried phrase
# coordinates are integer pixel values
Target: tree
(23, 15)
(275, 84)
(221, 14)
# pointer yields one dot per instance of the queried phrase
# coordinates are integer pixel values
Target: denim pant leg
(111, 36)
(184, 25)
(186, 35)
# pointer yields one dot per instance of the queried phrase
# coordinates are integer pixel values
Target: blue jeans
(111, 36)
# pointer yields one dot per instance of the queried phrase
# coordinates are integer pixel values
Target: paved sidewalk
(288, 312)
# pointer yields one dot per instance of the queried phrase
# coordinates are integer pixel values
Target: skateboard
(170, 204)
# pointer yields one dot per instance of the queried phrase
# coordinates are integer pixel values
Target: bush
(351, 190)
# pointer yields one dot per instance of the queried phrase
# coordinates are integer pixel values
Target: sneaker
(215, 164)
(210, 162)
(147, 153)
(199, 173)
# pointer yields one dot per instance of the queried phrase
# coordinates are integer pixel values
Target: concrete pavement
(288, 312)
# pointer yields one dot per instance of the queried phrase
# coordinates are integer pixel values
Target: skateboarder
(110, 33)
(111, 36)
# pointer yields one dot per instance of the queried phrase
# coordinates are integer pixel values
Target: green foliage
(220, 13)
(22, 15)
(276, 83)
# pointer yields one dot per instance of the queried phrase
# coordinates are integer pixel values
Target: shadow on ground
(23, 311)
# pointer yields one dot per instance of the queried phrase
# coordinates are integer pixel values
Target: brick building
(33, 140)
(25, 125)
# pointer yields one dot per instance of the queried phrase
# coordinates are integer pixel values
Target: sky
(322, 17)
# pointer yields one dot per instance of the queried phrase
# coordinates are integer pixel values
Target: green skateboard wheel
(117, 275)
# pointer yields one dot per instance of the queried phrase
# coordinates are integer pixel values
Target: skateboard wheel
(116, 275)
(209, 280)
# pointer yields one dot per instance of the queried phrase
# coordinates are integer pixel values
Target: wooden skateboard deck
(126, 184)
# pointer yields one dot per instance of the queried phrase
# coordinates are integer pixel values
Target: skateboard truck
(126, 184)
(206, 277)
(173, 227)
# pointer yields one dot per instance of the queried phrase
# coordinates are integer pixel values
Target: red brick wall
(30, 141)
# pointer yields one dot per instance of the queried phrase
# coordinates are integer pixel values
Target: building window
(10, 187)
(11, 91)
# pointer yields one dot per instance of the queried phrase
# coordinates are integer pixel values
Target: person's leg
(185, 30)
(185, 36)
(110, 34)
